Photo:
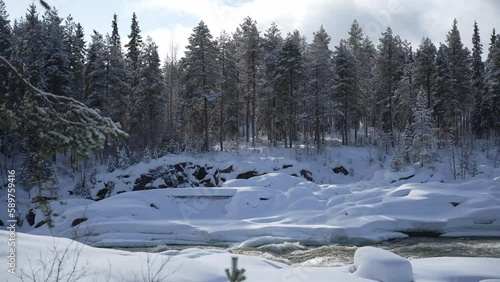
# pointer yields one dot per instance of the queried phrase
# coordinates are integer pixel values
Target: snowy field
(370, 204)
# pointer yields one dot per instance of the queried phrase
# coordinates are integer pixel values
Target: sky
(170, 22)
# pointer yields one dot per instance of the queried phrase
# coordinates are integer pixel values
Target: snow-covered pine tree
(123, 158)
(56, 69)
(478, 82)
(290, 77)
(201, 76)
(425, 68)
(493, 83)
(442, 91)
(424, 133)
(365, 69)
(319, 85)
(118, 77)
(249, 56)
(388, 73)
(31, 43)
(228, 88)
(5, 47)
(403, 155)
(147, 120)
(134, 47)
(271, 46)
(355, 45)
(406, 90)
(460, 82)
(96, 89)
(75, 48)
(343, 88)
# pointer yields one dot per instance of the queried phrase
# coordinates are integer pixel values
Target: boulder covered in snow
(380, 265)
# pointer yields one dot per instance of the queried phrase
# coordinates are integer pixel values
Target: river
(336, 255)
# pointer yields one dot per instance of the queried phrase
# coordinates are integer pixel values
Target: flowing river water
(336, 255)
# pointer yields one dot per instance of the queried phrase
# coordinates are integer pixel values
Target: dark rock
(40, 223)
(78, 221)
(422, 233)
(119, 192)
(294, 174)
(30, 217)
(180, 167)
(340, 169)
(38, 199)
(101, 194)
(207, 183)
(403, 178)
(263, 199)
(200, 173)
(181, 180)
(223, 179)
(285, 166)
(247, 175)
(1, 223)
(307, 175)
(162, 186)
(454, 204)
(145, 179)
(142, 188)
(153, 205)
(227, 170)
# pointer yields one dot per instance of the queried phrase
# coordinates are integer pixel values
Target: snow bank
(35, 254)
(380, 265)
(280, 206)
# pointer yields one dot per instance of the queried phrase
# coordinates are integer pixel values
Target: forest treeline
(253, 85)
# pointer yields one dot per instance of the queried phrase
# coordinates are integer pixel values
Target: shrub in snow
(111, 163)
(424, 133)
(123, 159)
(146, 157)
(235, 274)
(380, 265)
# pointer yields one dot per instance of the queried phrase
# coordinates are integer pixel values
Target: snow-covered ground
(37, 255)
(370, 204)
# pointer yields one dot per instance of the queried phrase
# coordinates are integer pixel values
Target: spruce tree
(424, 139)
(133, 54)
(56, 69)
(271, 45)
(425, 68)
(249, 55)
(290, 75)
(355, 45)
(493, 84)
(228, 87)
(478, 83)
(147, 118)
(118, 77)
(344, 88)
(460, 82)
(319, 86)
(442, 91)
(388, 71)
(96, 69)
(201, 76)
(75, 47)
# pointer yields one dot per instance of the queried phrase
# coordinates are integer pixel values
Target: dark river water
(336, 255)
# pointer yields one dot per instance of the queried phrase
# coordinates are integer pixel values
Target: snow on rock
(380, 265)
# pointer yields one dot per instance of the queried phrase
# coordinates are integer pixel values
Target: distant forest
(259, 87)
